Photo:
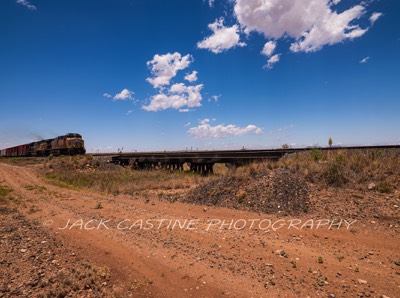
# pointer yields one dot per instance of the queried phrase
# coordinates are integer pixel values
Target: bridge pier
(175, 167)
(202, 168)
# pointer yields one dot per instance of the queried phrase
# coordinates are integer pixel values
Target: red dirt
(362, 260)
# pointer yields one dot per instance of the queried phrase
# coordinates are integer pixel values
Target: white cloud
(205, 130)
(165, 67)
(375, 16)
(124, 95)
(271, 61)
(364, 60)
(162, 101)
(129, 112)
(107, 95)
(178, 97)
(204, 121)
(187, 124)
(27, 4)
(216, 97)
(311, 23)
(211, 3)
(223, 38)
(192, 77)
(269, 48)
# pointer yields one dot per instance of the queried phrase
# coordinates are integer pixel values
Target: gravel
(277, 191)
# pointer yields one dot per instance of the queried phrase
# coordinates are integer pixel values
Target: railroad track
(203, 161)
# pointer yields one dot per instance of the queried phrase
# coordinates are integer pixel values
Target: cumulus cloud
(192, 77)
(123, 95)
(269, 48)
(375, 16)
(312, 23)
(205, 130)
(165, 67)
(271, 61)
(211, 3)
(107, 95)
(364, 60)
(27, 4)
(223, 38)
(179, 97)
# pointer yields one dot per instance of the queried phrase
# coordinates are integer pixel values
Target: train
(68, 144)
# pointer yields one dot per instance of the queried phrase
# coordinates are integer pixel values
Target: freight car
(69, 144)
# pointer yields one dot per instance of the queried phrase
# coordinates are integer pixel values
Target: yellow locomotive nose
(75, 143)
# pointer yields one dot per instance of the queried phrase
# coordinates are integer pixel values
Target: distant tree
(330, 142)
(285, 146)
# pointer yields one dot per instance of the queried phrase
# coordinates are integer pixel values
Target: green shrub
(384, 187)
(334, 174)
(316, 154)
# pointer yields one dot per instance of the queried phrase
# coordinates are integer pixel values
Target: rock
(371, 186)
(280, 252)
(362, 281)
(23, 250)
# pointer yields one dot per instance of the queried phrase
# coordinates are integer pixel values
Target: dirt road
(161, 249)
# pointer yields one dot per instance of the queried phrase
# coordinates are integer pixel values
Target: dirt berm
(277, 191)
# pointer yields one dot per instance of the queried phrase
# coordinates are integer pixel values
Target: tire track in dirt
(211, 263)
(123, 257)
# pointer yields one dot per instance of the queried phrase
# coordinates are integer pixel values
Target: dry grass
(247, 187)
(4, 191)
(23, 161)
(7, 201)
(87, 172)
(348, 168)
(342, 168)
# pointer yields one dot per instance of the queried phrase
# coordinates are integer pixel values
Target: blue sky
(223, 74)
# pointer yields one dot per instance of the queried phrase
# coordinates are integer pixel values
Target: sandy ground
(189, 251)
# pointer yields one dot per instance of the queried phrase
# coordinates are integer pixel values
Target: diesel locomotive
(69, 144)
